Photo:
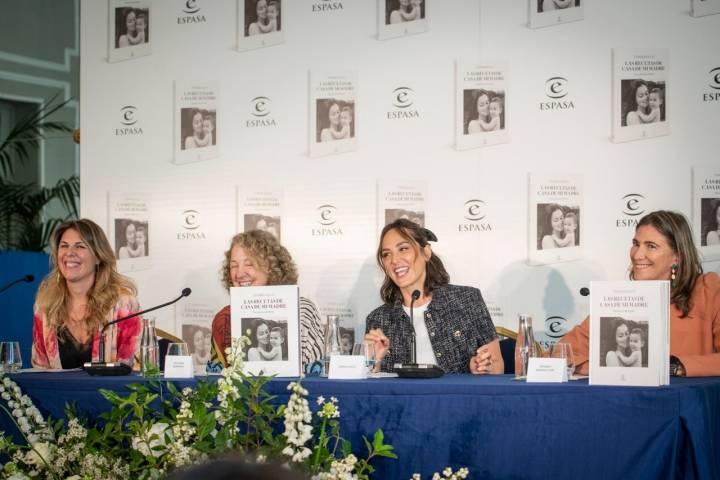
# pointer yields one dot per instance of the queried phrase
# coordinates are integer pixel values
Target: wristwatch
(677, 369)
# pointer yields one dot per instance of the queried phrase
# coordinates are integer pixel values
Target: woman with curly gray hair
(256, 258)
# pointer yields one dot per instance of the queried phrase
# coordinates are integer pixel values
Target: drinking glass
(178, 349)
(10, 358)
(367, 349)
(564, 350)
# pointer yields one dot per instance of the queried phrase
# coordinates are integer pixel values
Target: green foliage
(22, 206)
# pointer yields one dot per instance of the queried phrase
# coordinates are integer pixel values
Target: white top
(425, 352)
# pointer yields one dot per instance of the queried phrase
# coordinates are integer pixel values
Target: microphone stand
(26, 278)
(414, 369)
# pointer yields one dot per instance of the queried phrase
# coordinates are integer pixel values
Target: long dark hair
(674, 227)
(435, 273)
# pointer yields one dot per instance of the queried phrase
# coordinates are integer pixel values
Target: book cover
(260, 208)
(333, 113)
(481, 103)
(401, 199)
(639, 94)
(545, 13)
(193, 320)
(397, 18)
(270, 317)
(196, 128)
(629, 333)
(260, 24)
(128, 29)
(129, 230)
(555, 212)
(706, 211)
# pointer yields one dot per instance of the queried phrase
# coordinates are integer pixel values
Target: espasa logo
(190, 223)
(191, 13)
(474, 210)
(557, 90)
(402, 99)
(326, 217)
(632, 208)
(714, 83)
(128, 121)
(260, 110)
(555, 326)
(327, 5)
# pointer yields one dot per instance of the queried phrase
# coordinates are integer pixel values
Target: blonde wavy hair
(271, 257)
(53, 297)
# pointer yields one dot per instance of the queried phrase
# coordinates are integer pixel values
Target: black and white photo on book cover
(481, 105)
(701, 8)
(199, 341)
(629, 332)
(555, 205)
(333, 113)
(259, 24)
(401, 199)
(196, 126)
(260, 208)
(706, 211)
(397, 18)
(269, 316)
(640, 94)
(129, 230)
(544, 13)
(129, 29)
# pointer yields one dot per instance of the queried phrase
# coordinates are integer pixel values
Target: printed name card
(347, 367)
(179, 366)
(547, 370)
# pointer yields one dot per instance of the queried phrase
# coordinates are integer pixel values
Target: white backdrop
(338, 271)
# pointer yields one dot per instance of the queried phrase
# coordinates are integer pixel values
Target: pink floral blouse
(121, 339)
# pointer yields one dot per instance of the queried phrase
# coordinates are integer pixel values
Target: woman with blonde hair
(256, 258)
(83, 292)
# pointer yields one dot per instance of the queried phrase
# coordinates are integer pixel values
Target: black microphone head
(415, 294)
(186, 291)
(29, 278)
(584, 291)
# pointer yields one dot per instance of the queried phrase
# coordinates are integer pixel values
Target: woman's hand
(488, 360)
(382, 345)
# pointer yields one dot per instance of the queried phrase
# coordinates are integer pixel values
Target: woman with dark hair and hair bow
(663, 249)
(451, 324)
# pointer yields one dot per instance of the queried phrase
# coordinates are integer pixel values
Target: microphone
(584, 291)
(26, 278)
(101, 367)
(414, 369)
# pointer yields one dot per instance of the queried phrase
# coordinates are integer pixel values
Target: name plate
(547, 370)
(179, 366)
(347, 367)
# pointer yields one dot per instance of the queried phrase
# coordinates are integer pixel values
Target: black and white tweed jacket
(457, 320)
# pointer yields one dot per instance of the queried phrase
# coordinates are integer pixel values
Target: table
(497, 427)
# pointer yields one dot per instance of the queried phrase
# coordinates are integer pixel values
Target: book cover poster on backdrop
(700, 8)
(480, 105)
(333, 114)
(397, 18)
(706, 211)
(639, 94)
(269, 317)
(129, 230)
(401, 199)
(260, 208)
(555, 212)
(544, 13)
(128, 29)
(259, 24)
(196, 129)
(193, 323)
(629, 336)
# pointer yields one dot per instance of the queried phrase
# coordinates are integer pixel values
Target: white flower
(147, 442)
(40, 451)
(320, 400)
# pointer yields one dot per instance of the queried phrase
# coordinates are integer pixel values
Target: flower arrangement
(156, 428)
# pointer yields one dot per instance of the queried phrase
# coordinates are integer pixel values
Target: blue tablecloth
(497, 427)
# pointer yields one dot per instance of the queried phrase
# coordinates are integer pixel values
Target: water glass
(179, 349)
(564, 350)
(10, 358)
(366, 349)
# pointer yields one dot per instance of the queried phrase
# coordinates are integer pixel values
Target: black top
(73, 354)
